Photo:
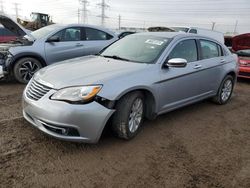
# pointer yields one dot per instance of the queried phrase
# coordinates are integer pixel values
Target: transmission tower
(103, 7)
(119, 22)
(1, 7)
(84, 10)
(17, 9)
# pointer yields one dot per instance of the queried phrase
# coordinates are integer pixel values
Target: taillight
(242, 62)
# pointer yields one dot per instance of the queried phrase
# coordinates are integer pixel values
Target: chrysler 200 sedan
(140, 76)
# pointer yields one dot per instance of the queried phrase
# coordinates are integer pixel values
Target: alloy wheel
(135, 116)
(226, 90)
(28, 69)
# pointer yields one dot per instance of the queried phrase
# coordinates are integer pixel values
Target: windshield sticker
(155, 42)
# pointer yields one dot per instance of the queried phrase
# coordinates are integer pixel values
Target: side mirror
(176, 62)
(53, 39)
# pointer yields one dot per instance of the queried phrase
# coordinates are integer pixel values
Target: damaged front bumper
(1, 72)
(4, 64)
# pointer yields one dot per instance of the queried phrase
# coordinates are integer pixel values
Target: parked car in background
(6, 35)
(228, 41)
(160, 29)
(205, 32)
(241, 46)
(140, 76)
(50, 44)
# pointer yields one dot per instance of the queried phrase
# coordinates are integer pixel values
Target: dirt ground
(202, 145)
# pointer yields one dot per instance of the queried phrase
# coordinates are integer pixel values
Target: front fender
(10, 63)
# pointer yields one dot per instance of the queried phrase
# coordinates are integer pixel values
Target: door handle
(222, 61)
(197, 66)
(79, 45)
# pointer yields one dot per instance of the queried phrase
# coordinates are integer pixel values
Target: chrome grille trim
(36, 90)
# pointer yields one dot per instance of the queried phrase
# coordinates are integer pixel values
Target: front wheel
(129, 115)
(25, 68)
(225, 90)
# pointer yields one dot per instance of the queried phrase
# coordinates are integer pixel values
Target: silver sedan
(140, 76)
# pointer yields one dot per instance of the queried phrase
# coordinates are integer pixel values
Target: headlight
(78, 94)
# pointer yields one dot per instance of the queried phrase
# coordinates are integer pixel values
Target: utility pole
(119, 21)
(213, 25)
(235, 27)
(1, 7)
(16, 9)
(84, 10)
(78, 15)
(103, 7)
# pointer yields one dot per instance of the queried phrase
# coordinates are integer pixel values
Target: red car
(241, 46)
(6, 35)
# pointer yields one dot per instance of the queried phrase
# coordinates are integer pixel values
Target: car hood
(85, 71)
(241, 42)
(11, 25)
(5, 46)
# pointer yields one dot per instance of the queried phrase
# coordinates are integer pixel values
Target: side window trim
(83, 34)
(198, 43)
(108, 36)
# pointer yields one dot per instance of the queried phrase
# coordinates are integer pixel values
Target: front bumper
(54, 117)
(244, 72)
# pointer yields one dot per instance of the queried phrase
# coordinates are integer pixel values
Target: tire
(224, 93)
(25, 68)
(123, 119)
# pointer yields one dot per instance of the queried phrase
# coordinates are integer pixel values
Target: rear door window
(94, 34)
(209, 49)
(186, 49)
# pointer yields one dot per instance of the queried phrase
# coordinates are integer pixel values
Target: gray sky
(140, 13)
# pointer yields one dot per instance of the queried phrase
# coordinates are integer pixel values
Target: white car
(205, 32)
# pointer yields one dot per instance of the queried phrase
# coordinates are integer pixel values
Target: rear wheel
(225, 90)
(129, 115)
(25, 68)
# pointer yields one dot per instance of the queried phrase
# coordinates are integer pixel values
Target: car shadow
(243, 80)
(9, 82)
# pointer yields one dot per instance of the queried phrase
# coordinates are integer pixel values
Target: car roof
(87, 25)
(167, 34)
(176, 35)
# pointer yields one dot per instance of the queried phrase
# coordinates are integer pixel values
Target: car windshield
(243, 53)
(137, 48)
(40, 33)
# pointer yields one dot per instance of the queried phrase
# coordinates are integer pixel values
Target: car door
(180, 86)
(70, 45)
(212, 60)
(96, 40)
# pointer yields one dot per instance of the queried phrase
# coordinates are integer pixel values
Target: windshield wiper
(115, 57)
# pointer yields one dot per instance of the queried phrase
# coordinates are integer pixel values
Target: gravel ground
(202, 145)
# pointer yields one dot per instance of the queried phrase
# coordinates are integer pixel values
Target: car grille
(36, 90)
